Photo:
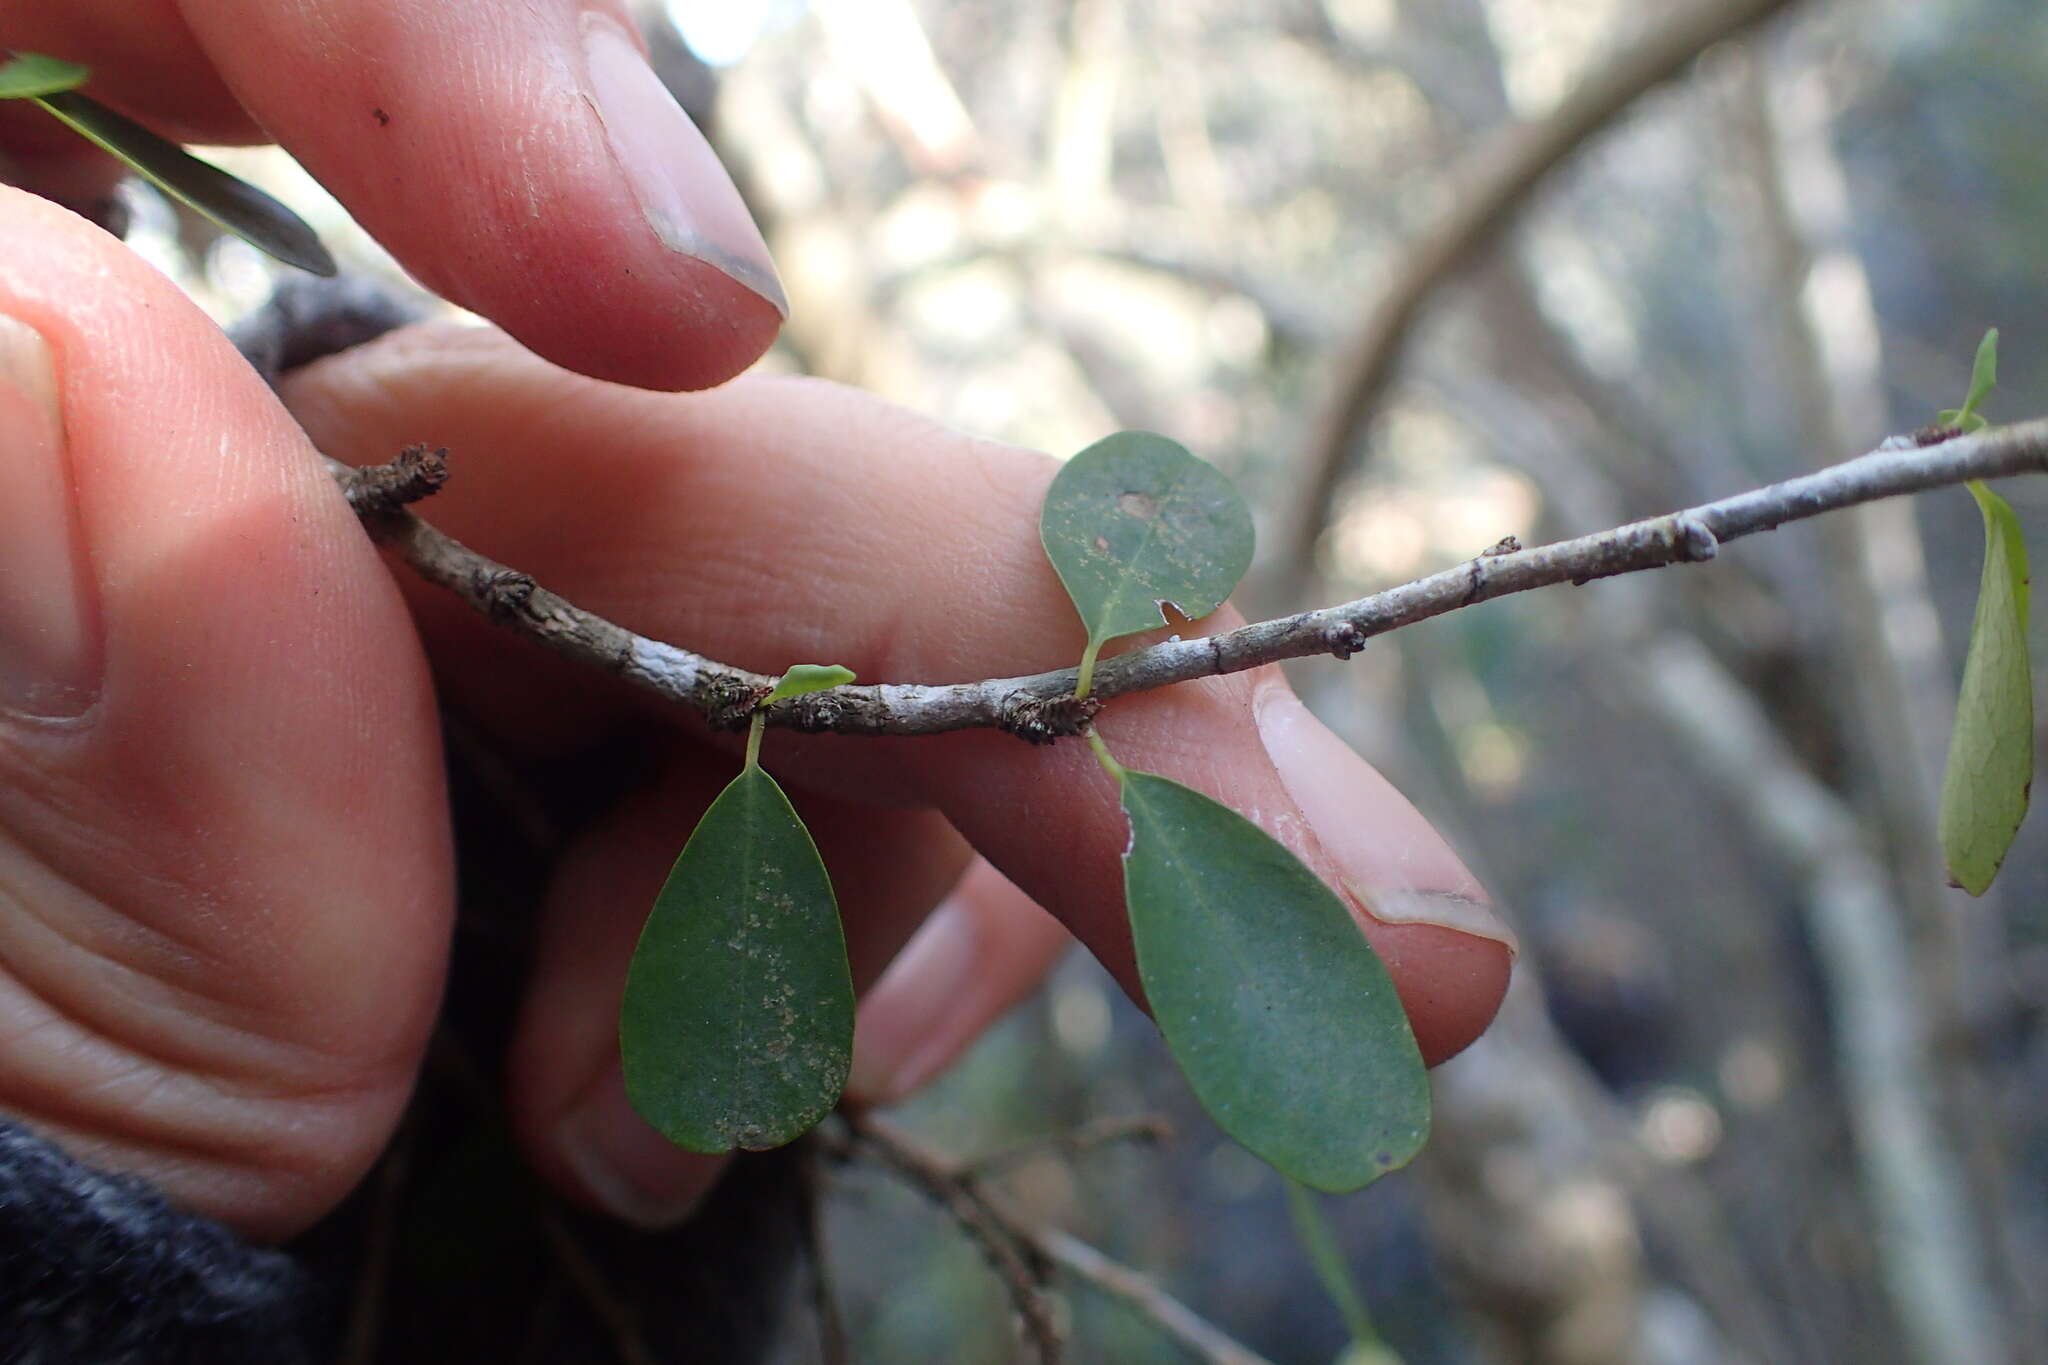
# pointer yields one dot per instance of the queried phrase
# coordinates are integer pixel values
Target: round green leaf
(1135, 521)
(234, 204)
(1990, 773)
(737, 1025)
(25, 75)
(1271, 999)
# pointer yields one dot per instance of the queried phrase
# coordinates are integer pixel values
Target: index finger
(523, 161)
(776, 521)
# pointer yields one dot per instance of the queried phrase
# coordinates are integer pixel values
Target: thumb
(223, 871)
(522, 160)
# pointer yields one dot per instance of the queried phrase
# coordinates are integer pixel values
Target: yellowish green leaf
(28, 75)
(804, 678)
(1991, 751)
(1983, 373)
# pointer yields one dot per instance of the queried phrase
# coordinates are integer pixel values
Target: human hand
(520, 160)
(225, 880)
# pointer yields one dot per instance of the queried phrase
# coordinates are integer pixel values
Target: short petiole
(1087, 670)
(1103, 755)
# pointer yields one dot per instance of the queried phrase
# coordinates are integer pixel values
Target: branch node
(1933, 434)
(1343, 638)
(731, 703)
(418, 472)
(1475, 580)
(1041, 720)
(506, 594)
(819, 712)
(1692, 539)
(1506, 545)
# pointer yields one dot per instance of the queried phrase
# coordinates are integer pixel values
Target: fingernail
(49, 645)
(912, 1021)
(682, 189)
(632, 1171)
(1393, 863)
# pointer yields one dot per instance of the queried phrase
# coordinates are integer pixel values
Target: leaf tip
(31, 75)
(1983, 378)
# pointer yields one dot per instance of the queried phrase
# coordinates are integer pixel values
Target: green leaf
(1134, 522)
(26, 75)
(1983, 375)
(1273, 1003)
(1983, 379)
(1991, 753)
(737, 1025)
(235, 205)
(805, 678)
(1312, 1230)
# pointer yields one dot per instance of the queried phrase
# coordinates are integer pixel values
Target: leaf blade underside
(1278, 1010)
(737, 1024)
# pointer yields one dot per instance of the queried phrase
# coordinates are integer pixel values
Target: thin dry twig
(1041, 708)
(417, 473)
(958, 1188)
(833, 1345)
(1143, 1293)
(1496, 181)
(620, 1320)
(996, 1235)
(1102, 1132)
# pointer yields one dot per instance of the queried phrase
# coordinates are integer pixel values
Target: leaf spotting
(737, 1024)
(1134, 524)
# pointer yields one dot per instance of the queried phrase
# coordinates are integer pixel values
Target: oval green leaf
(26, 75)
(1135, 521)
(1990, 773)
(737, 1024)
(235, 205)
(806, 678)
(1276, 1007)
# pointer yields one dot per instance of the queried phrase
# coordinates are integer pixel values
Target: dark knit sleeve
(97, 1269)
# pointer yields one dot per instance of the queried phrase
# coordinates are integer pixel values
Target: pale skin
(225, 874)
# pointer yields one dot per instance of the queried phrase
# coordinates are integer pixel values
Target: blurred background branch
(1487, 190)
